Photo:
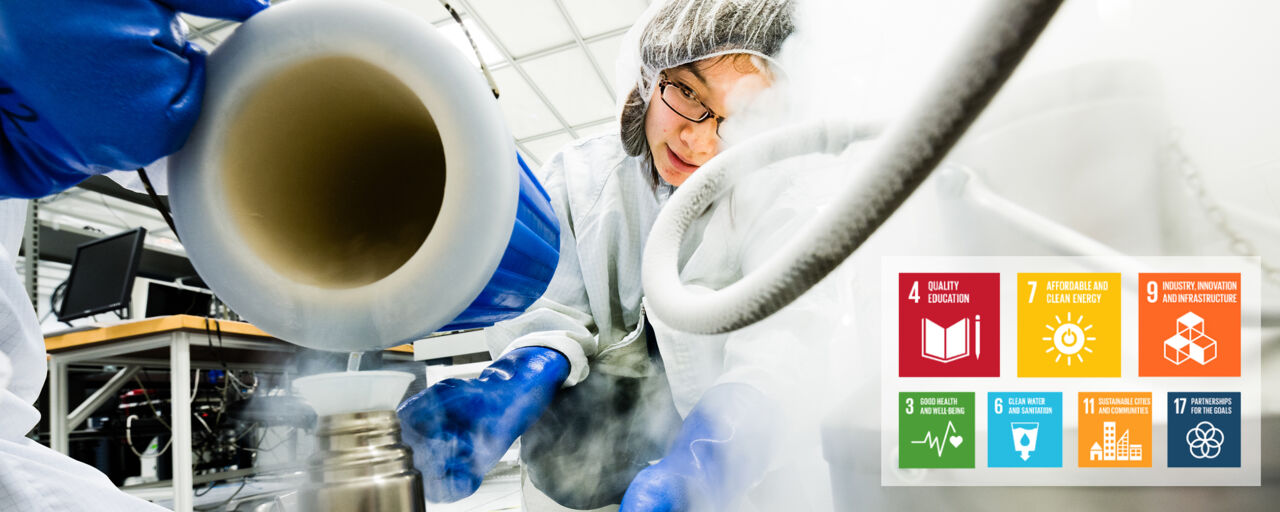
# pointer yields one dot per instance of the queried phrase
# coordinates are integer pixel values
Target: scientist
(85, 88)
(580, 374)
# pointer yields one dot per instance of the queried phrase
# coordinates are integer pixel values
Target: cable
(284, 438)
(195, 387)
(208, 333)
(102, 199)
(206, 490)
(1212, 210)
(243, 480)
(147, 396)
(128, 437)
(155, 200)
(493, 85)
(912, 148)
(55, 298)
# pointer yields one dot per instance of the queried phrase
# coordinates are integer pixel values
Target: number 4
(915, 292)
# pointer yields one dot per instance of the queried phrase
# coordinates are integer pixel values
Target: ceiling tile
(591, 131)
(596, 17)
(524, 26)
(571, 85)
(455, 35)
(524, 111)
(605, 52)
(544, 149)
(429, 10)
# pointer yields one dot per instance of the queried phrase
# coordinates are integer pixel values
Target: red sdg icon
(949, 325)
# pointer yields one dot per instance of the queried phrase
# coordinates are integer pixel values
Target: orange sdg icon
(1189, 325)
(1115, 430)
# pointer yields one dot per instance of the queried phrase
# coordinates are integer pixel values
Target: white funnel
(347, 392)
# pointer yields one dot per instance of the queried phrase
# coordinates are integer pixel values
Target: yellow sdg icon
(1069, 325)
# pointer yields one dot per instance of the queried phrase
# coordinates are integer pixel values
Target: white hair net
(676, 32)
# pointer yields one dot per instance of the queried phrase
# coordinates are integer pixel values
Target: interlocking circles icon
(1205, 440)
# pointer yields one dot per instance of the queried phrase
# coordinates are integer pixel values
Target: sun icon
(1069, 338)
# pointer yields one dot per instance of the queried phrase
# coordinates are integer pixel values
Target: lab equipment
(467, 424)
(911, 149)
(361, 463)
(159, 298)
(358, 190)
(66, 116)
(352, 186)
(102, 275)
(353, 391)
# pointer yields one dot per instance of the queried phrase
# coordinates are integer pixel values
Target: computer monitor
(155, 298)
(102, 275)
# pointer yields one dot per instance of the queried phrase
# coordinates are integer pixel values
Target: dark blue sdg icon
(1204, 430)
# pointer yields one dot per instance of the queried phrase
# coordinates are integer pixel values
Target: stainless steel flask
(361, 465)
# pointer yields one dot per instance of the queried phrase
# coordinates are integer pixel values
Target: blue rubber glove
(722, 450)
(459, 428)
(88, 87)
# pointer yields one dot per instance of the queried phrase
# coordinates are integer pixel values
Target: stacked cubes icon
(1191, 343)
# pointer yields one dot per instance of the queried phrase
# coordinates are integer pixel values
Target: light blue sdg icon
(1024, 430)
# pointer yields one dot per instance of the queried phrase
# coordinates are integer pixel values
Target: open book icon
(952, 343)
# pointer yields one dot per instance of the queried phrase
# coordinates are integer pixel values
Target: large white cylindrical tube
(351, 183)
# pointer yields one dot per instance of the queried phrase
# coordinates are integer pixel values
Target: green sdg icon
(935, 430)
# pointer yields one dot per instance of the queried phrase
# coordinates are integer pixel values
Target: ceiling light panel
(610, 126)
(526, 114)
(572, 86)
(429, 10)
(597, 17)
(524, 26)
(544, 149)
(605, 51)
(453, 32)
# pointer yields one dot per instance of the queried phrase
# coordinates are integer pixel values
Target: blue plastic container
(527, 265)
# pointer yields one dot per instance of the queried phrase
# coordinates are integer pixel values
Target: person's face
(679, 146)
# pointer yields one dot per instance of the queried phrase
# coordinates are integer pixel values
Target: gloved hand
(722, 450)
(459, 428)
(91, 87)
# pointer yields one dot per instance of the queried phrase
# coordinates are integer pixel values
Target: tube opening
(334, 172)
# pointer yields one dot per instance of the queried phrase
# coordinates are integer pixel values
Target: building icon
(1109, 440)
(1113, 449)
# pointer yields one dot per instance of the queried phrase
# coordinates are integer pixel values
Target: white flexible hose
(911, 149)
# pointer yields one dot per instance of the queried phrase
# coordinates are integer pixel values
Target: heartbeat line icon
(940, 443)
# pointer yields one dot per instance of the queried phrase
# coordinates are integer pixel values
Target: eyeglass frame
(708, 114)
